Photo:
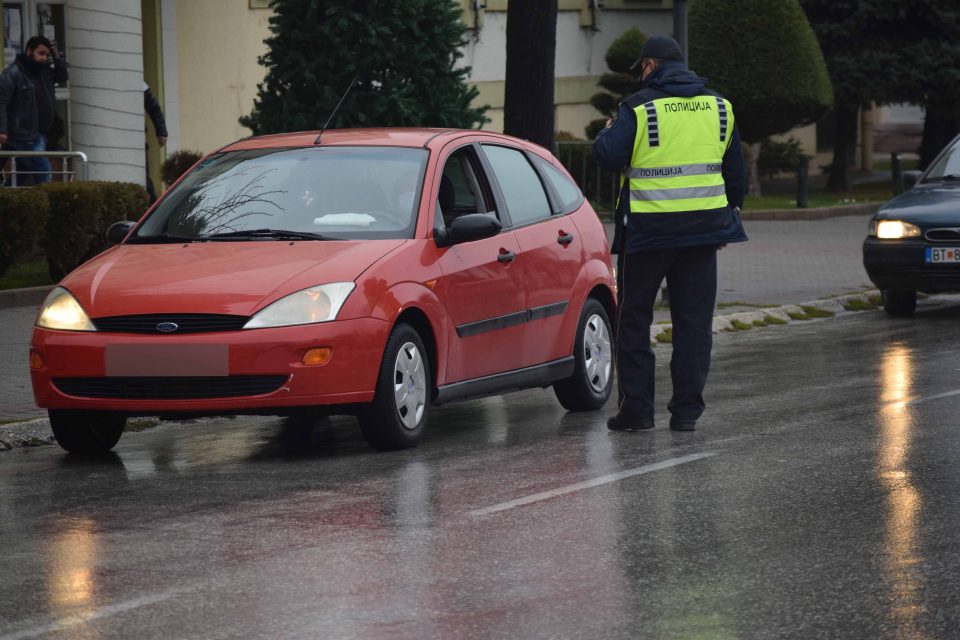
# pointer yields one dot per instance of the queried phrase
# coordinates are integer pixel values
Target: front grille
(186, 388)
(943, 235)
(186, 323)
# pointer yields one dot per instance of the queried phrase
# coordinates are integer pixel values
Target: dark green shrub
(177, 164)
(80, 213)
(779, 157)
(74, 222)
(23, 216)
(621, 81)
(772, 70)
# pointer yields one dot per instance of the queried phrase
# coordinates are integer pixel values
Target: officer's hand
(720, 247)
(3, 138)
(610, 122)
(162, 140)
(54, 51)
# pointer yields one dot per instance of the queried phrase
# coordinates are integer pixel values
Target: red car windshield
(340, 193)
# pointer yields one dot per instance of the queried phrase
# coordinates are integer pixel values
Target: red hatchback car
(375, 272)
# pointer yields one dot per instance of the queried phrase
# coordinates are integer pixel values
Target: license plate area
(942, 255)
(175, 360)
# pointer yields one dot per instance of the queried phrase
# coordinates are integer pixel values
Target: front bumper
(900, 264)
(76, 361)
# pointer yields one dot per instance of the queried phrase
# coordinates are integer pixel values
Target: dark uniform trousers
(691, 274)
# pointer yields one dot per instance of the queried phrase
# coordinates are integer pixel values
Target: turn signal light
(36, 360)
(317, 357)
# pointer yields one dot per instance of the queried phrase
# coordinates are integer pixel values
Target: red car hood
(214, 277)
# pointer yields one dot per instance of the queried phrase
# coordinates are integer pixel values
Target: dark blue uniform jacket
(613, 149)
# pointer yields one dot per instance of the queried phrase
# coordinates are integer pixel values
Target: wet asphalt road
(818, 499)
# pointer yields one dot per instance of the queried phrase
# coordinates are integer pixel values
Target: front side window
(460, 191)
(526, 200)
(341, 193)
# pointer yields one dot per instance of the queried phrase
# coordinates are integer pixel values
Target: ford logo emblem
(167, 327)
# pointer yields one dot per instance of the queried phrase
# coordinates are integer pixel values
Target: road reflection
(902, 559)
(72, 555)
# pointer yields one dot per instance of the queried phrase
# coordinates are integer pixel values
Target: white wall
(171, 81)
(106, 87)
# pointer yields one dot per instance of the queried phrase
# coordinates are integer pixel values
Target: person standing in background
(27, 96)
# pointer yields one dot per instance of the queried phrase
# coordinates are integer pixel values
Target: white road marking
(948, 394)
(96, 614)
(588, 484)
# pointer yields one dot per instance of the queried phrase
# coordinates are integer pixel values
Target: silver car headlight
(317, 304)
(61, 311)
(893, 229)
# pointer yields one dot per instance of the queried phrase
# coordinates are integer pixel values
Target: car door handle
(506, 256)
(565, 238)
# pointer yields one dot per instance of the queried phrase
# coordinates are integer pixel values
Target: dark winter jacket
(613, 149)
(19, 92)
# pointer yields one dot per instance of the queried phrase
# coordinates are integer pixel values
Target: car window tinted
(948, 165)
(568, 192)
(340, 192)
(526, 199)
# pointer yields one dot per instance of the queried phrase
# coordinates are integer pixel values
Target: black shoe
(625, 422)
(683, 425)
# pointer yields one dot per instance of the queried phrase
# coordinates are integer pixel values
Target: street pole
(680, 27)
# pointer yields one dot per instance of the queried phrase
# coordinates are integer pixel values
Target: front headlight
(316, 304)
(893, 229)
(62, 311)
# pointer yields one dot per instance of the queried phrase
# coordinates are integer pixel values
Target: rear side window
(568, 193)
(526, 200)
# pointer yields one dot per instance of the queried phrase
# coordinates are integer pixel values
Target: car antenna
(336, 108)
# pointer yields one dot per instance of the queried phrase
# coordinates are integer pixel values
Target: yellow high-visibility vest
(678, 155)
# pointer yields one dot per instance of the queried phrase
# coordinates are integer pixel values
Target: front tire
(401, 404)
(592, 381)
(86, 431)
(899, 302)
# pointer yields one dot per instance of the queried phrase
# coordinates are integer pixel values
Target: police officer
(682, 189)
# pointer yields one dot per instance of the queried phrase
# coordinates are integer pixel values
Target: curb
(29, 297)
(784, 314)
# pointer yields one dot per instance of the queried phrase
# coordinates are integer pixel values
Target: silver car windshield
(338, 193)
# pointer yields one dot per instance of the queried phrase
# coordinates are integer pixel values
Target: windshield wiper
(163, 238)
(950, 177)
(279, 234)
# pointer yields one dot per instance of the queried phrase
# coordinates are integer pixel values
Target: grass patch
(774, 320)
(740, 325)
(135, 425)
(754, 305)
(14, 420)
(798, 315)
(875, 300)
(759, 323)
(30, 274)
(784, 196)
(666, 336)
(815, 312)
(859, 305)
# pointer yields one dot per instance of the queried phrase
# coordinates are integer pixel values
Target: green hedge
(23, 216)
(80, 214)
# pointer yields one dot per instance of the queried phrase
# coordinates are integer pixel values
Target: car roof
(378, 137)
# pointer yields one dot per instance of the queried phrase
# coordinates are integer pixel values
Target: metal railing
(600, 186)
(69, 171)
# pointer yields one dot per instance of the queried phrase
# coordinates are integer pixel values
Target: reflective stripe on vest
(678, 156)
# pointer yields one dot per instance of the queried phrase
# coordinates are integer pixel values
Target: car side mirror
(467, 228)
(119, 230)
(911, 178)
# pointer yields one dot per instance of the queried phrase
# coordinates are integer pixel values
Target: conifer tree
(621, 82)
(403, 56)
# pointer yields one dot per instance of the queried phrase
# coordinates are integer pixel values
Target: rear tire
(401, 404)
(592, 381)
(899, 302)
(86, 431)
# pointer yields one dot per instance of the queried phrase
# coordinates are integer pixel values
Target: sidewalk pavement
(785, 262)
